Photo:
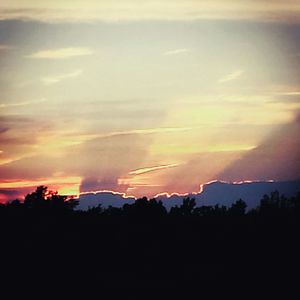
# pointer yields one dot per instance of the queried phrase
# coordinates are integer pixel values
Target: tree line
(44, 201)
(45, 239)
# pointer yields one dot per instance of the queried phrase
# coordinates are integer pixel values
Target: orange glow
(68, 186)
(46, 181)
(69, 190)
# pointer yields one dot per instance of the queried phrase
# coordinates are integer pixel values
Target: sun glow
(64, 185)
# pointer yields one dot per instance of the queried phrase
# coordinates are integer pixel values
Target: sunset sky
(145, 97)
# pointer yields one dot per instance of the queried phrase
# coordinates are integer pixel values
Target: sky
(146, 97)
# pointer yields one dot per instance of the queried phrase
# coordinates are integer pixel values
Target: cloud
(105, 198)
(5, 47)
(290, 98)
(151, 169)
(61, 53)
(133, 10)
(12, 194)
(94, 160)
(89, 162)
(226, 193)
(231, 76)
(145, 131)
(37, 182)
(212, 193)
(176, 51)
(290, 94)
(277, 157)
(58, 78)
(24, 103)
(102, 184)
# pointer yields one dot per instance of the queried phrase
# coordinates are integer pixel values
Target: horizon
(204, 193)
(143, 100)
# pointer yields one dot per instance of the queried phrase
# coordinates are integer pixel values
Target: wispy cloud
(289, 93)
(146, 131)
(151, 169)
(61, 53)
(286, 98)
(132, 10)
(177, 51)
(24, 103)
(231, 76)
(77, 138)
(58, 78)
(4, 47)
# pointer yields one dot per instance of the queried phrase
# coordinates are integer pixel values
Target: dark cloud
(3, 129)
(102, 161)
(95, 184)
(14, 119)
(277, 158)
(30, 168)
(200, 168)
(221, 193)
(99, 162)
(224, 193)
(12, 194)
(105, 199)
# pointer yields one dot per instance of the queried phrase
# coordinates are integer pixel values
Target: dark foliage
(142, 245)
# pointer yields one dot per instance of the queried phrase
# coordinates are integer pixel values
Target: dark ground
(146, 249)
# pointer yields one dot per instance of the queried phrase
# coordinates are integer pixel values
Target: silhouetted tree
(95, 210)
(187, 206)
(44, 200)
(238, 208)
(144, 208)
(37, 199)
